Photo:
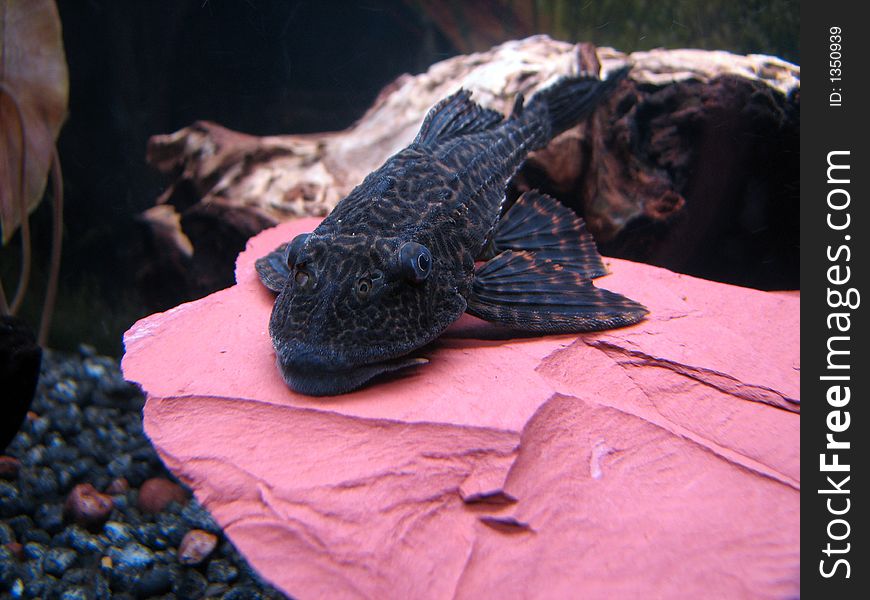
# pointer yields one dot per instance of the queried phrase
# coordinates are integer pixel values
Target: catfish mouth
(312, 380)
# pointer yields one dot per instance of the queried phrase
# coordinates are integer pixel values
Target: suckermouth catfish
(398, 259)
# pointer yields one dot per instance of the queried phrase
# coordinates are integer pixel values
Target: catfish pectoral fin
(519, 290)
(273, 270)
(542, 225)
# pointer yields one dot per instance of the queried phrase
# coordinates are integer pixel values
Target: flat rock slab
(658, 460)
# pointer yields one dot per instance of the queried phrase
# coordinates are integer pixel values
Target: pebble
(37, 426)
(16, 549)
(190, 584)
(221, 571)
(40, 482)
(119, 465)
(133, 556)
(152, 535)
(153, 582)
(65, 391)
(118, 486)
(76, 593)
(8, 565)
(81, 540)
(36, 535)
(6, 534)
(156, 493)
(198, 518)
(58, 560)
(9, 466)
(20, 524)
(34, 456)
(117, 533)
(34, 551)
(84, 435)
(87, 506)
(49, 517)
(196, 546)
(10, 501)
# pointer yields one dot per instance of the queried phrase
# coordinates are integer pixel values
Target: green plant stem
(56, 239)
(24, 276)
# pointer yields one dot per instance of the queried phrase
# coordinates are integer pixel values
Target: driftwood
(692, 164)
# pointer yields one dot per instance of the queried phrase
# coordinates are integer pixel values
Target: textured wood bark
(693, 165)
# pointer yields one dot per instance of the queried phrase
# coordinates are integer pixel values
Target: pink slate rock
(659, 460)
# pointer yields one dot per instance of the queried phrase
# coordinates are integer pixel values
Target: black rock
(35, 588)
(10, 500)
(118, 534)
(154, 581)
(20, 357)
(34, 456)
(78, 576)
(38, 482)
(102, 591)
(32, 569)
(58, 560)
(171, 528)
(81, 540)
(196, 517)
(89, 430)
(6, 534)
(34, 550)
(9, 568)
(77, 593)
(131, 557)
(49, 517)
(221, 571)
(119, 465)
(242, 592)
(19, 523)
(36, 535)
(190, 584)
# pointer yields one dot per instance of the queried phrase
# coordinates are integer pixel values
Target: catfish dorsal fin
(456, 115)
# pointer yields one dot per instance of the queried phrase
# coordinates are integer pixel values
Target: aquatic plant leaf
(33, 75)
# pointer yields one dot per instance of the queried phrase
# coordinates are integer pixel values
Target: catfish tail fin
(572, 99)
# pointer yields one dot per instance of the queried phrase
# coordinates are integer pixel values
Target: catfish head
(353, 306)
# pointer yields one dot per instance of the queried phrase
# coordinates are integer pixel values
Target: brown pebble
(16, 549)
(156, 493)
(9, 467)
(88, 507)
(118, 486)
(195, 546)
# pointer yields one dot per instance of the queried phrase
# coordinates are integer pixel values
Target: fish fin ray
(572, 99)
(523, 291)
(456, 115)
(540, 224)
(273, 270)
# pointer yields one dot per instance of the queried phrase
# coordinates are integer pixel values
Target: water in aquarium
(356, 256)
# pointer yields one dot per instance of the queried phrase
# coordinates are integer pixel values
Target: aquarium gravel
(85, 426)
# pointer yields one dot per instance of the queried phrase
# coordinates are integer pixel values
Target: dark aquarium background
(139, 68)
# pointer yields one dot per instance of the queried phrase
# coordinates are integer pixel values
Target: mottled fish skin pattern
(394, 263)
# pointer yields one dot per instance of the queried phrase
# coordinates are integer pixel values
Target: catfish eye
(301, 278)
(363, 287)
(293, 249)
(415, 261)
